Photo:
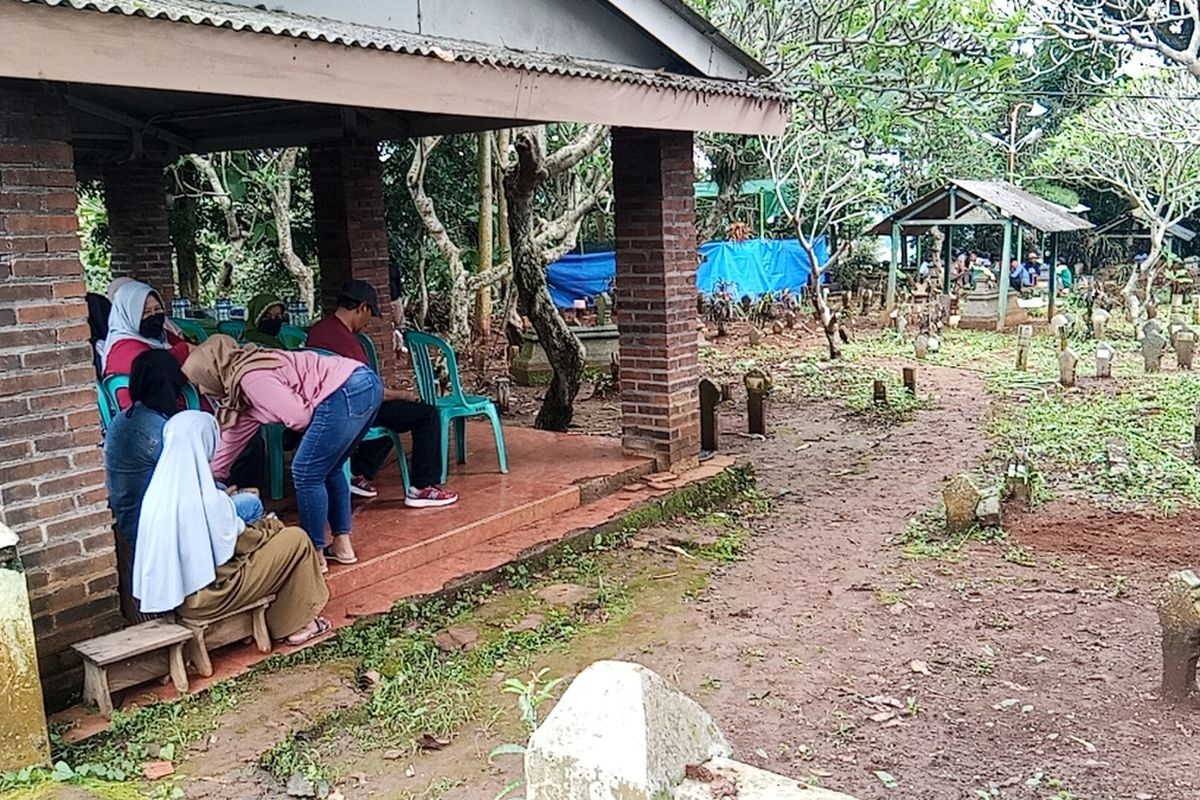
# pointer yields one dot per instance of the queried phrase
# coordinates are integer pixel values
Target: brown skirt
(268, 559)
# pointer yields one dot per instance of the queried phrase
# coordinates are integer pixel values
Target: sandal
(324, 626)
(329, 556)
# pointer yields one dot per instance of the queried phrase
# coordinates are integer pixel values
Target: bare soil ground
(1024, 668)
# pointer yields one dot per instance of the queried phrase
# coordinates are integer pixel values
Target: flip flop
(339, 559)
(324, 626)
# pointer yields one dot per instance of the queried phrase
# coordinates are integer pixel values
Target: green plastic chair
(455, 406)
(107, 389)
(291, 337)
(232, 327)
(192, 331)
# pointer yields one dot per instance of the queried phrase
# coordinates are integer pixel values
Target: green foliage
(94, 246)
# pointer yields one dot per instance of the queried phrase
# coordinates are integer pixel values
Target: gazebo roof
(176, 76)
(1133, 225)
(973, 202)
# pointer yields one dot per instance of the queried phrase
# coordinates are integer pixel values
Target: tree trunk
(238, 236)
(460, 300)
(483, 303)
(281, 210)
(829, 320)
(562, 348)
(184, 239)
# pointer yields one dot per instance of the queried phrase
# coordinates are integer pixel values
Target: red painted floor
(407, 552)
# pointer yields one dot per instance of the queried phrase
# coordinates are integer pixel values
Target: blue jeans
(248, 506)
(338, 425)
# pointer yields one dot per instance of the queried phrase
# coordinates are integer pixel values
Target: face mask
(152, 326)
(270, 327)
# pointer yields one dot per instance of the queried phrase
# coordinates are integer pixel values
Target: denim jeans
(248, 506)
(338, 425)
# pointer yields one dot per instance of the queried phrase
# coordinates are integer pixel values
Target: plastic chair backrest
(191, 396)
(232, 327)
(291, 337)
(108, 393)
(369, 346)
(423, 368)
(192, 331)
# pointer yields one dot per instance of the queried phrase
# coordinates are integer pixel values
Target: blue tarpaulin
(753, 267)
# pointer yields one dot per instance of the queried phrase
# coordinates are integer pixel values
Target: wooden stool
(247, 622)
(131, 656)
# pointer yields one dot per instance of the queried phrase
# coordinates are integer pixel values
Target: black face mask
(152, 326)
(270, 327)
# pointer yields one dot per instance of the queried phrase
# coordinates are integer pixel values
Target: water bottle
(297, 313)
(179, 307)
(222, 308)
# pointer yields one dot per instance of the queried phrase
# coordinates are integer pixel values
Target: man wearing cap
(401, 411)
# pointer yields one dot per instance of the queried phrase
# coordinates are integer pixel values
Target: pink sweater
(286, 395)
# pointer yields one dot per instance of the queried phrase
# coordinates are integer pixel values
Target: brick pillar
(347, 183)
(135, 194)
(51, 479)
(656, 294)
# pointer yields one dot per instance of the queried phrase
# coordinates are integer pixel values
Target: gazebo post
(1053, 274)
(1005, 256)
(894, 267)
(947, 259)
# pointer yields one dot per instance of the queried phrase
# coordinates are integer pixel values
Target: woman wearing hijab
(134, 441)
(333, 400)
(264, 319)
(197, 556)
(136, 324)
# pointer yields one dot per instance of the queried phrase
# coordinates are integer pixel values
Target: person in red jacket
(137, 323)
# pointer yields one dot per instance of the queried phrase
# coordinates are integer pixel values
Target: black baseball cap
(362, 292)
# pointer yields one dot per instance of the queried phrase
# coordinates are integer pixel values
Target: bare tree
(1169, 29)
(1124, 144)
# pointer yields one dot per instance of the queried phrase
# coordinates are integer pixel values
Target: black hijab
(98, 307)
(156, 381)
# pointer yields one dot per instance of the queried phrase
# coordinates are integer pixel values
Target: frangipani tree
(1137, 143)
(1167, 29)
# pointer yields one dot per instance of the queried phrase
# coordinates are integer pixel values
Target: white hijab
(128, 302)
(188, 527)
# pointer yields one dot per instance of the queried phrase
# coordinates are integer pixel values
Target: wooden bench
(131, 656)
(248, 622)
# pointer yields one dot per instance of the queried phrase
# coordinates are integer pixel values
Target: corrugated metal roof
(298, 26)
(1010, 200)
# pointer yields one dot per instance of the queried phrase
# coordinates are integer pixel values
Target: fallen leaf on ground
(392, 755)
(887, 779)
(154, 770)
(917, 665)
(883, 716)
(1091, 748)
(430, 742)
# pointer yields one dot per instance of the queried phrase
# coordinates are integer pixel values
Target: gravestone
(504, 393)
(987, 512)
(1024, 340)
(901, 324)
(961, 498)
(620, 732)
(1185, 348)
(935, 343)
(758, 386)
(1061, 324)
(921, 345)
(879, 393)
(1179, 615)
(1196, 438)
(710, 421)
(1177, 324)
(603, 309)
(23, 738)
(756, 337)
(1100, 319)
(1153, 345)
(1104, 360)
(1066, 367)
(910, 380)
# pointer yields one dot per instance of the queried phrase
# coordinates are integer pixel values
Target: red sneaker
(429, 497)
(362, 487)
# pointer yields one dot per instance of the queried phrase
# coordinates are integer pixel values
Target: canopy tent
(753, 267)
(768, 199)
(971, 202)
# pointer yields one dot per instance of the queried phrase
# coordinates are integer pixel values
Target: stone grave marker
(1104, 360)
(758, 385)
(1185, 348)
(921, 345)
(1100, 319)
(1066, 367)
(1153, 345)
(710, 420)
(1179, 615)
(961, 498)
(910, 380)
(1024, 340)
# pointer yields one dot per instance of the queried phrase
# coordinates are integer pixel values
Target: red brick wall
(347, 182)
(135, 194)
(51, 479)
(656, 293)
